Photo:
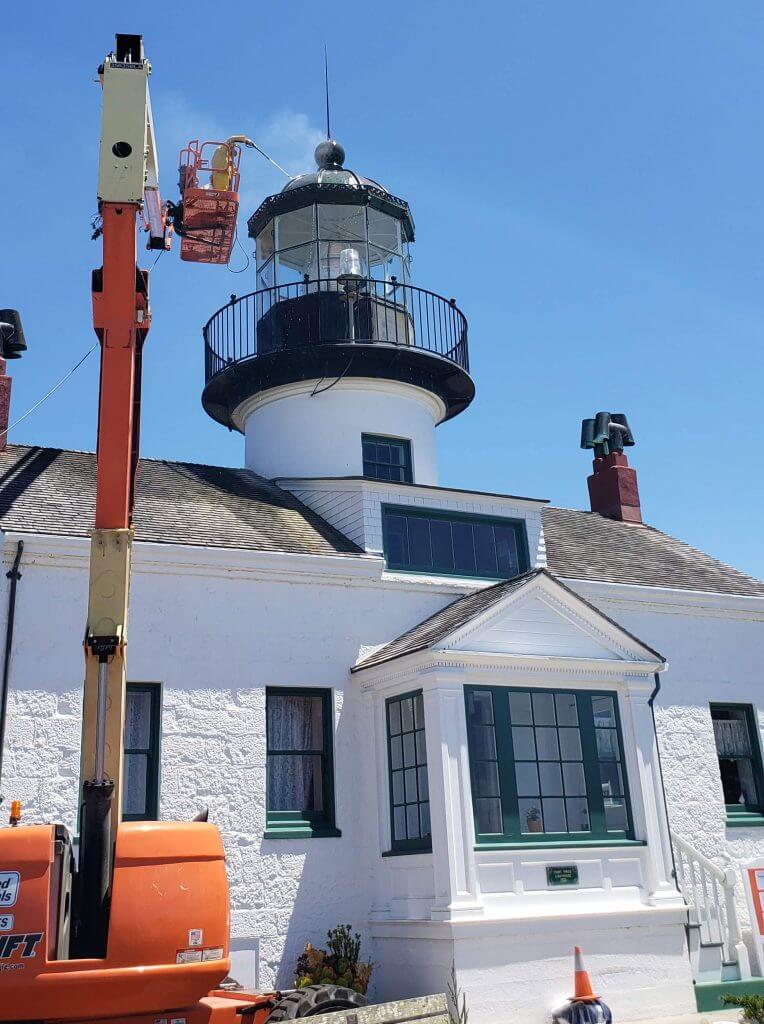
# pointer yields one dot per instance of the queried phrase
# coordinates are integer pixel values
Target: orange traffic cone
(583, 991)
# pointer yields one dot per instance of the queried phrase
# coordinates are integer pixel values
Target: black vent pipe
(14, 576)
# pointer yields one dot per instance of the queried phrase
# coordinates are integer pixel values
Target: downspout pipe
(651, 703)
(14, 576)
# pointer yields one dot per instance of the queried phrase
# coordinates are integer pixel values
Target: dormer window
(453, 544)
(387, 458)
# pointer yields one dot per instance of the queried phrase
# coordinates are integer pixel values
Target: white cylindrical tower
(337, 365)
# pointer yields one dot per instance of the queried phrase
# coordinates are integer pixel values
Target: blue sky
(585, 177)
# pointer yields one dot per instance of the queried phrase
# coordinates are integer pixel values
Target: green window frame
(140, 797)
(408, 784)
(387, 458)
(436, 543)
(299, 769)
(547, 767)
(738, 750)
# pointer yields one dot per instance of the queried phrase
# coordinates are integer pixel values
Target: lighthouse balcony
(330, 329)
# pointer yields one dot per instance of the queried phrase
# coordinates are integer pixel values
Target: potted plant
(533, 819)
(339, 964)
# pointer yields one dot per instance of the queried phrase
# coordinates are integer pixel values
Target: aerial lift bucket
(209, 183)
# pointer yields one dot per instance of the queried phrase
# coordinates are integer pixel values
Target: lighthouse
(337, 356)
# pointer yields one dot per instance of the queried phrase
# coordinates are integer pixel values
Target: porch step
(706, 958)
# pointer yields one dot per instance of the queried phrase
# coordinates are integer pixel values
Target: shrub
(752, 1007)
(339, 964)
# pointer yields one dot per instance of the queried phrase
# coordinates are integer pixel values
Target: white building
(466, 770)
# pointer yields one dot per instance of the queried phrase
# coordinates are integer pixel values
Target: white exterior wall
(216, 627)
(292, 432)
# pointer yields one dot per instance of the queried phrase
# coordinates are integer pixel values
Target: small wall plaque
(565, 874)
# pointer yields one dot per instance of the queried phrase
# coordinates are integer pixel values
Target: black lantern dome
(334, 299)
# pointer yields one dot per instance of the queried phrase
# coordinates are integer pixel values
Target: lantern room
(336, 316)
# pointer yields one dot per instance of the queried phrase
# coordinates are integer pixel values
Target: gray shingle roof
(457, 614)
(587, 546)
(48, 490)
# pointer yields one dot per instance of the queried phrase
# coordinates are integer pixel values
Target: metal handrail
(327, 311)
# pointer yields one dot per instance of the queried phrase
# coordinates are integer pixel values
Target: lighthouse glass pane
(552, 777)
(417, 540)
(266, 243)
(407, 767)
(384, 231)
(342, 223)
(293, 264)
(295, 228)
(299, 791)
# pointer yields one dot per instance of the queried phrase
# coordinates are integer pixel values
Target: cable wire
(52, 391)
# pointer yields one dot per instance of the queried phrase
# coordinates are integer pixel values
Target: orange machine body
(168, 948)
(209, 208)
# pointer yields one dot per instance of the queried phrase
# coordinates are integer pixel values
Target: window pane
(383, 230)
(506, 551)
(520, 708)
(411, 785)
(604, 711)
(394, 717)
(386, 458)
(295, 228)
(485, 549)
(412, 821)
(543, 709)
(530, 815)
(341, 222)
(567, 710)
(138, 719)
(442, 545)
(464, 549)
(136, 784)
(396, 752)
(733, 737)
(615, 815)
(573, 779)
(294, 782)
(578, 814)
(419, 711)
(399, 823)
(409, 750)
(551, 779)
(396, 541)
(554, 816)
(738, 781)
(480, 707)
(488, 813)
(421, 748)
(612, 780)
(487, 778)
(607, 744)
(420, 548)
(483, 742)
(570, 744)
(527, 778)
(407, 714)
(294, 722)
(546, 743)
(424, 786)
(424, 818)
(398, 790)
(525, 748)
(265, 244)
(293, 264)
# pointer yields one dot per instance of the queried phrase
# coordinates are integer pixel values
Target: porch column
(660, 863)
(453, 834)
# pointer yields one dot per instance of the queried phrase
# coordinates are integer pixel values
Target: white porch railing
(710, 891)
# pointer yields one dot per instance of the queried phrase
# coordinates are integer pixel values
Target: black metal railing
(328, 312)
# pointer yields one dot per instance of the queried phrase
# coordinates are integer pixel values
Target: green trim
(151, 752)
(417, 512)
(407, 853)
(740, 810)
(304, 824)
(422, 844)
(400, 442)
(512, 836)
(708, 994)
(535, 844)
(296, 832)
(744, 819)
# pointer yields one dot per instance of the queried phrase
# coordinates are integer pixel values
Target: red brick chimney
(5, 405)
(613, 490)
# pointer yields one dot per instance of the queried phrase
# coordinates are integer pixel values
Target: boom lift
(139, 928)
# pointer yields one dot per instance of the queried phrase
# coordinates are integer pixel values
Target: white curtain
(732, 739)
(294, 723)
